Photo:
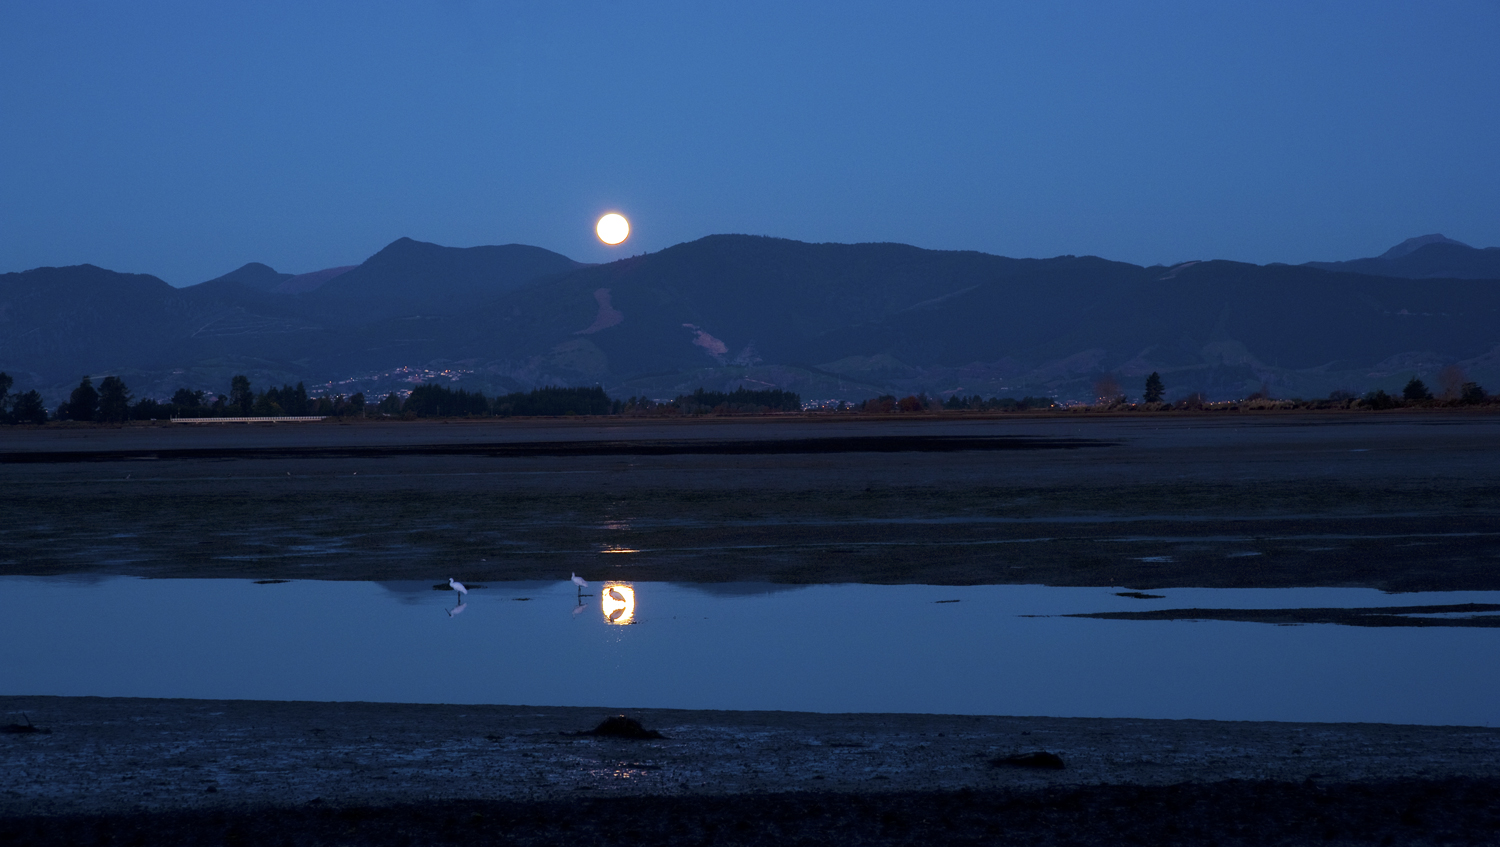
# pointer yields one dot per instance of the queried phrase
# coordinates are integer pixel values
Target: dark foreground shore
(1254, 814)
(1395, 502)
(121, 771)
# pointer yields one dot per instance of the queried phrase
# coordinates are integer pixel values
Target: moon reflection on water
(617, 600)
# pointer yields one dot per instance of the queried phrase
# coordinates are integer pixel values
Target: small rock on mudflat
(1041, 760)
(23, 729)
(620, 726)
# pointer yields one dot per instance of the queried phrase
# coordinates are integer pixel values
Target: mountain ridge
(1425, 257)
(828, 320)
(1411, 245)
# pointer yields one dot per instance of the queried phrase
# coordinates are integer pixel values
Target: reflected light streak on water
(831, 648)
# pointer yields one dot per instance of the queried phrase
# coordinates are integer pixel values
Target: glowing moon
(613, 228)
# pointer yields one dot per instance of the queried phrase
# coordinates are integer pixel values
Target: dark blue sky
(186, 139)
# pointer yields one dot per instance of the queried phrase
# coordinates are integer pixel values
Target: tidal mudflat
(206, 771)
(1144, 505)
(1399, 502)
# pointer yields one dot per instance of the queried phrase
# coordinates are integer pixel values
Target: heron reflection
(457, 610)
(618, 602)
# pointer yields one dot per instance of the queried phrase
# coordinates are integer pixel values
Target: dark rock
(1041, 760)
(271, 581)
(24, 729)
(1139, 595)
(620, 726)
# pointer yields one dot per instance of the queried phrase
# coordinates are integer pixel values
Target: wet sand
(200, 768)
(1400, 502)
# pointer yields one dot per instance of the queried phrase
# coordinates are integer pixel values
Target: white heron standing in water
(578, 581)
(459, 587)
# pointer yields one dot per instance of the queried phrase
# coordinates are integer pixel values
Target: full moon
(612, 228)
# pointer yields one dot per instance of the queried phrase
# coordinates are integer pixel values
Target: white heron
(458, 586)
(578, 581)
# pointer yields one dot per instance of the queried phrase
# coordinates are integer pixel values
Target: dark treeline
(438, 401)
(431, 401)
(888, 403)
(740, 401)
(20, 408)
(111, 402)
(997, 404)
(1454, 389)
(557, 401)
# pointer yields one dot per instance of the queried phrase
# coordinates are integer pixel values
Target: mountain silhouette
(413, 278)
(59, 323)
(253, 275)
(303, 283)
(1425, 257)
(827, 320)
(1411, 245)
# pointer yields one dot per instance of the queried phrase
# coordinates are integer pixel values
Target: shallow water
(831, 648)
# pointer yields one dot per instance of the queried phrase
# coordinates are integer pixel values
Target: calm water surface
(832, 648)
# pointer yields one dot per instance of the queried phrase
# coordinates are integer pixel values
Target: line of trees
(741, 401)
(997, 404)
(241, 402)
(1455, 389)
(20, 408)
(111, 402)
(439, 401)
(1458, 392)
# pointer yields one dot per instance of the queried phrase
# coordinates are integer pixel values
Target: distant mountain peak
(403, 246)
(253, 275)
(302, 283)
(1411, 245)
